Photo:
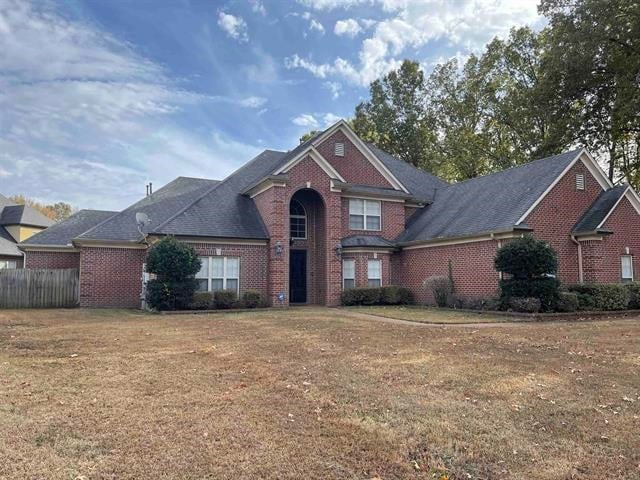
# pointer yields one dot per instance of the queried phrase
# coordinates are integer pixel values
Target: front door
(298, 276)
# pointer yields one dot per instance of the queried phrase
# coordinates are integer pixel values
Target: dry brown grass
(431, 314)
(314, 393)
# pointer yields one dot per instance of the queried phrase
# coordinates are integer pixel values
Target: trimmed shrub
(394, 295)
(526, 258)
(202, 301)
(524, 304)
(352, 296)
(371, 296)
(634, 295)
(225, 299)
(252, 299)
(606, 296)
(567, 302)
(170, 294)
(441, 288)
(586, 302)
(545, 289)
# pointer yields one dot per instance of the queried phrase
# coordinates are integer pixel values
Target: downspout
(580, 272)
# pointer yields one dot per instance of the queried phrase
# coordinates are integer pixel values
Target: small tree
(531, 264)
(175, 264)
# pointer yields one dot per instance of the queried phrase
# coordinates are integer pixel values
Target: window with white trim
(297, 220)
(219, 273)
(339, 149)
(374, 273)
(626, 268)
(364, 214)
(6, 264)
(348, 274)
(579, 181)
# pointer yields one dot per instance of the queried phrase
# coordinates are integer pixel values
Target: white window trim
(8, 264)
(369, 277)
(344, 277)
(630, 257)
(305, 222)
(365, 215)
(224, 277)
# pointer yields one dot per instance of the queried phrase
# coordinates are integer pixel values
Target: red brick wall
(555, 216)
(110, 277)
(18, 260)
(253, 264)
(53, 260)
(392, 220)
(625, 223)
(472, 263)
(353, 167)
(361, 259)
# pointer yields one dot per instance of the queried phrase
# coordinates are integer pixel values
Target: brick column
(592, 260)
(333, 236)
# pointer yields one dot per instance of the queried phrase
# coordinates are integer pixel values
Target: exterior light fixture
(278, 248)
(338, 250)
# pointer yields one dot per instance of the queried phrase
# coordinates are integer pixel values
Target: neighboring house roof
(491, 203)
(421, 184)
(599, 210)
(23, 215)
(159, 206)
(63, 232)
(8, 245)
(366, 241)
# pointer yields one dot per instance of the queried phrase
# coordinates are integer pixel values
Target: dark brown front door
(298, 276)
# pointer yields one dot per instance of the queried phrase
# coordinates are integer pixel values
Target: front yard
(314, 393)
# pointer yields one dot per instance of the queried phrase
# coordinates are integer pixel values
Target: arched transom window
(297, 220)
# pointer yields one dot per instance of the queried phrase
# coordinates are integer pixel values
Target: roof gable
(23, 215)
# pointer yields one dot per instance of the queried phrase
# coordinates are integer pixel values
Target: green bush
(586, 302)
(202, 301)
(634, 295)
(567, 302)
(546, 289)
(371, 296)
(394, 295)
(225, 299)
(524, 304)
(441, 288)
(175, 264)
(352, 296)
(170, 294)
(606, 296)
(526, 258)
(252, 299)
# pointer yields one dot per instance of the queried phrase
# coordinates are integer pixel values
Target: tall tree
(597, 45)
(395, 118)
(56, 212)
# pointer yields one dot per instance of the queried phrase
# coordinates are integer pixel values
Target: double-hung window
(364, 214)
(374, 273)
(348, 274)
(219, 273)
(626, 266)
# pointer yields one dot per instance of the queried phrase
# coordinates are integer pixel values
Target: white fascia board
(316, 157)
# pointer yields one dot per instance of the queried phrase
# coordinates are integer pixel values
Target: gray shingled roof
(485, 204)
(159, 207)
(23, 215)
(366, 241)
(8, 245)
(421, 184)
(63, 232)
(599, 210)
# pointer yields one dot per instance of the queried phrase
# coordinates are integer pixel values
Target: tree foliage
(175, 264)
(526, 258)
(56, 212)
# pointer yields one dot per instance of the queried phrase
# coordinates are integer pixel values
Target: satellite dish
(142, 219)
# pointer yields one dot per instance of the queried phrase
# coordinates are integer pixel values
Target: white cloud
(258, 7)
(316, 25)
(306, 120)
(349, 27)
(234, 26)
(87, 120)
(330, 119)
(316, 120)
(334, 87)
(411, 24)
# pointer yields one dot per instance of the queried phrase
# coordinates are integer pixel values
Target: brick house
(336, 212)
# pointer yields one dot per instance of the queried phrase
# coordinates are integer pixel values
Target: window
(348, 274)
(8, 264)
(626, 262)
(374, 273)
(297, 220)
(579, 181)
(364, 214)
(219, 273)
(339, 149)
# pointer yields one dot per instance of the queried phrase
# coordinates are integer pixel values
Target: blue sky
(97, 98)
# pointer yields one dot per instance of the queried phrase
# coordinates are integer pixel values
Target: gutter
(580, 271)
(481, 236)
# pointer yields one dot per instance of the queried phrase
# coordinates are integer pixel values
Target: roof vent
(579, 181)
(339, 149)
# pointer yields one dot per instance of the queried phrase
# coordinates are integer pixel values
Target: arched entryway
(307, 242)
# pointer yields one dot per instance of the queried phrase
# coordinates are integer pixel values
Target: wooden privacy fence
(39, 288)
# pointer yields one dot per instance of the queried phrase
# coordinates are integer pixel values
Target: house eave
(47, 248)
(265, 184)
(504, 234)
